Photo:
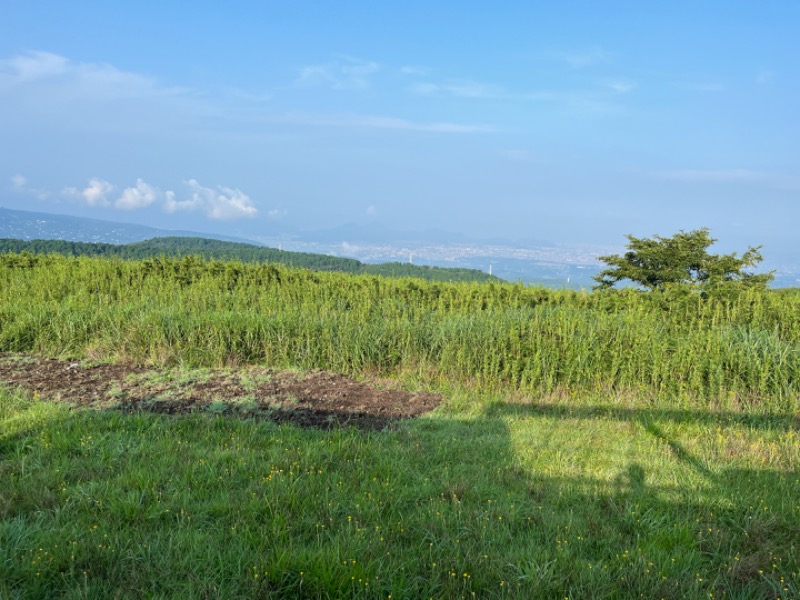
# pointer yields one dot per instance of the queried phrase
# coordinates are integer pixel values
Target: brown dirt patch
(311, 399)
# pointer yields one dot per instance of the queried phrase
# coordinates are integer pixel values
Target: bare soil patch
(310, 399)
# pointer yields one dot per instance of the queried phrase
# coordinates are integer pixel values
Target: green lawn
(578, 496)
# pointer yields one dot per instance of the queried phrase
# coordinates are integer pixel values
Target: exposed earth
(310, 399)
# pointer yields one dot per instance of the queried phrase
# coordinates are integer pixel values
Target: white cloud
(223, 203)
(276, 213)
(171, 205)
(93, 194)
(56, 93)
(32, 66)
(231, 203)
(53, 94)
(134, 198)
(346, 73)
(371, 210)
(67, 80)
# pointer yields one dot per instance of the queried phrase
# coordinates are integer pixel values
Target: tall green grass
(742, 348)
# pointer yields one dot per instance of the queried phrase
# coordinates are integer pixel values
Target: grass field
(608, 445)
(579, 498)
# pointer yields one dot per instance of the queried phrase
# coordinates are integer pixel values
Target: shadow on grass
(653, 421)
(199, 505)
(775, 420)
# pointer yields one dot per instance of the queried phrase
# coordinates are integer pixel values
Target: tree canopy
(658, 262)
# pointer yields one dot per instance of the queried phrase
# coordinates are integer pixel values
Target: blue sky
(566, 121)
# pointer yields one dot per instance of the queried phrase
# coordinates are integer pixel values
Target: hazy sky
(566, 121)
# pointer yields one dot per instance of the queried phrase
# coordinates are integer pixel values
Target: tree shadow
(773, 420)
(739, 527)
(652, 420)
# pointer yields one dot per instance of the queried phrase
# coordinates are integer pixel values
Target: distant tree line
(208, 249)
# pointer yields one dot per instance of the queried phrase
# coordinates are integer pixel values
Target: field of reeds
(592, 444)
(742, 348)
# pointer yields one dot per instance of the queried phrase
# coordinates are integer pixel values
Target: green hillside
(612, 444)
(172, 247)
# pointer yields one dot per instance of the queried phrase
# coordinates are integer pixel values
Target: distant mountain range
(548, 263)
(26, 225)
(40, 233)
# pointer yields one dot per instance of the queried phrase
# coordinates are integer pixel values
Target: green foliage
(658, 262)
(179, 247)
(631, 444)
(592, 497)
(744, 347)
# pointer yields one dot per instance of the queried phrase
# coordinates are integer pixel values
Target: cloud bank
(94, 194)
(76, 81)
(221, 203)
(50, 89)
(134, 198)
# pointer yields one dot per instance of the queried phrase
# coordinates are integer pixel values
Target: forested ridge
(208, 249)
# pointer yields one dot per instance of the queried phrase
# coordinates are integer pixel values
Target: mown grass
(603, 445)
(577, 498)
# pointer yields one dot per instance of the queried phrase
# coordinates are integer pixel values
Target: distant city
(551, 265)
(569, 266)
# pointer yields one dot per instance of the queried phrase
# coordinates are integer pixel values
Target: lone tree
(658, 262)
